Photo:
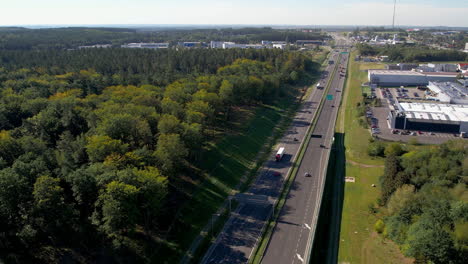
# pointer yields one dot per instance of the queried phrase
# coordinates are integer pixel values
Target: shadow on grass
(326, 241)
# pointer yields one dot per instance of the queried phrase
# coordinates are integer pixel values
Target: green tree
(394, 149)
(428, 242)
(116, 210)
(169, 124)
(169, 151)
(99, 147)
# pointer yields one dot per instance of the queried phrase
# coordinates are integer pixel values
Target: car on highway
(307, 174)
(276, 173)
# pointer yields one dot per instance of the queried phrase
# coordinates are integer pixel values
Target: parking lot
(380, 126)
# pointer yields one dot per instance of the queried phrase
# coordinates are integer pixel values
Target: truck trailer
(279, 154)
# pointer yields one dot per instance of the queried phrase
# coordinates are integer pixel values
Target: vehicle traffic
(279, 154)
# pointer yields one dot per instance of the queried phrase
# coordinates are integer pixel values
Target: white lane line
(300, 258)
(307, 226)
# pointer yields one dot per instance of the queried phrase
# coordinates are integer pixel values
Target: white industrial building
(447, 118)
(103, 46)
(279, 46)
(146, 45)
(448, 92)
(394, 78)
(231, 45)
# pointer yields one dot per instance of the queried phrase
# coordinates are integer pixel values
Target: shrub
(379, 226)
(376, 149)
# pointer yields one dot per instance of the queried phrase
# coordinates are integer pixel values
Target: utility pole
(394, 8)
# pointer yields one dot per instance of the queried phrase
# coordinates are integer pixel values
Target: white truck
(279, 154)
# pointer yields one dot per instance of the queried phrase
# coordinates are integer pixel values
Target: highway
(243, 230)
(293, 235)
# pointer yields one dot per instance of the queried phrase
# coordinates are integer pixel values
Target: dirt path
(363, 165)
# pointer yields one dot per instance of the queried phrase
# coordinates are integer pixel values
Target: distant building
(96, 46)
(189, 44)
(402, 66)
(443, 67)
(448, 92)
(146, 45)
(393, 67)
(430, 117)
(466, 47)
(231, 45)
(308, 42)
(279, 46)
(463, 67)
(407, 66)
(394, 78)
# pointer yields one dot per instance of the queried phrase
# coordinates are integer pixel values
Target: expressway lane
(293, 233)
(240, 234)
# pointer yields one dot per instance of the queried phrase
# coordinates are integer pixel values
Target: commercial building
(448, 92)
(308, 42)
(395, 78)
(146, 45)
(189, 44)
(430, 117)
(231, 45)
(103, 46)
(402, 66)
(463, 67)
(279, 46)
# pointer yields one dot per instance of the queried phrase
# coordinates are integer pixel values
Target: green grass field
(358, 243)
(357, 137)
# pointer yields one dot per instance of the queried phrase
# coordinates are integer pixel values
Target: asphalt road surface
(293, 233)
(242, 231)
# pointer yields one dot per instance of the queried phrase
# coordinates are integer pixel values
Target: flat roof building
(395, 78)
(448, 92)
(231, 45)
(146, 45)
(433, 117)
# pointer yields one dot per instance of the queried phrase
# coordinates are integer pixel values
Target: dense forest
(94, 143)
(402, 53)
(15, 38)
(135, 66)
(426, 202)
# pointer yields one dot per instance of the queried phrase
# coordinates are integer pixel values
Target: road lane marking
(300, 258)
(307, 226)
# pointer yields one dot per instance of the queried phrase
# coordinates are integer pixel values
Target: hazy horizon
(450, 13)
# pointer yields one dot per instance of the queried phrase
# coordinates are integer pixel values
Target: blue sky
(284, 12)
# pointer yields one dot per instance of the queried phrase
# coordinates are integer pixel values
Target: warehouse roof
(395, 72)
(452, 89)
(435, 112)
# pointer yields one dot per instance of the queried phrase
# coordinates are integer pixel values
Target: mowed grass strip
(357, 137)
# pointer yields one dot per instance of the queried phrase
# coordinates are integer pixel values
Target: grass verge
(353, 233)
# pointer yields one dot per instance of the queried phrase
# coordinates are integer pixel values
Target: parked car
(420, 132)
